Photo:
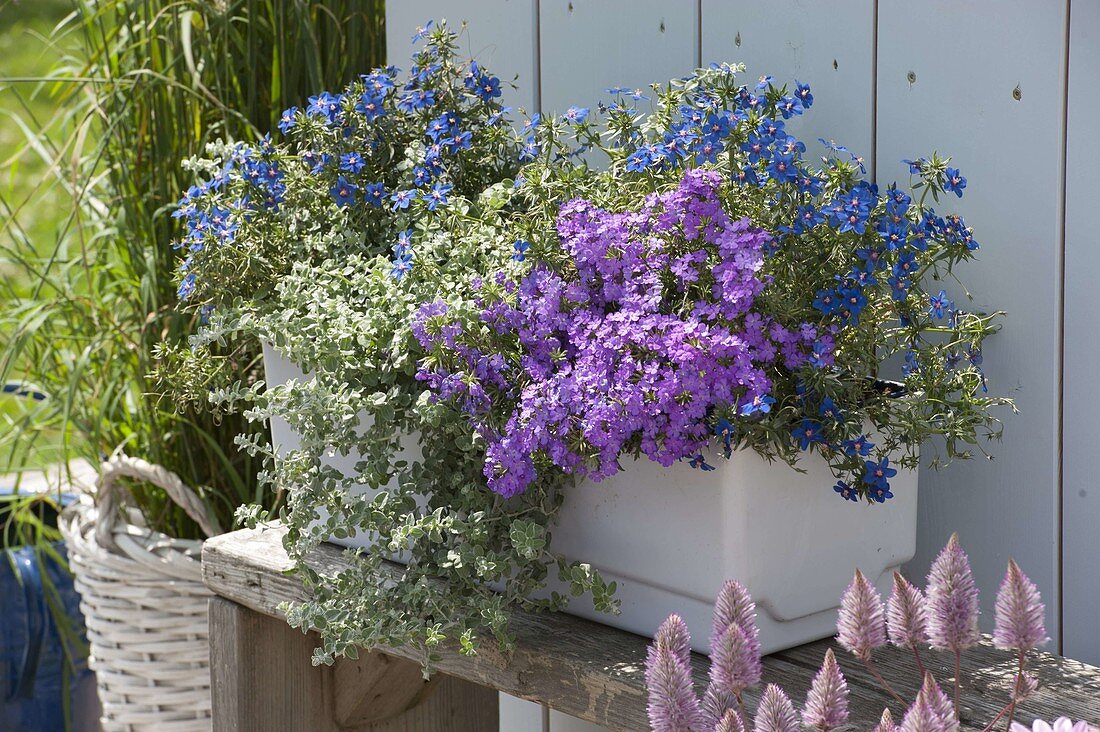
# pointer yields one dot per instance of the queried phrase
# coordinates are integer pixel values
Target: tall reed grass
(82, 318)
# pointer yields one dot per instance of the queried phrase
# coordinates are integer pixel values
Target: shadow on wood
(262, 679)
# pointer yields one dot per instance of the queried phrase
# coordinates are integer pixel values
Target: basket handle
(121, 466)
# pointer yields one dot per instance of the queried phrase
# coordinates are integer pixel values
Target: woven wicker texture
(144, 604)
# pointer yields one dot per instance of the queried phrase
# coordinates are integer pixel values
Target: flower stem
(999, 715)
(882, 682)
(920, 664)
(1015, 691)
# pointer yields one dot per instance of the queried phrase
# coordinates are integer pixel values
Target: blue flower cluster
(350, 151)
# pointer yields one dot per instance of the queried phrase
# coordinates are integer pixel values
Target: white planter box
(669, 537)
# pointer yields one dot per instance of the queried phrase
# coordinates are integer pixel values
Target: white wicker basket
(145, 606)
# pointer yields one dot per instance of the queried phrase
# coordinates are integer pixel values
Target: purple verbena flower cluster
(647, 334)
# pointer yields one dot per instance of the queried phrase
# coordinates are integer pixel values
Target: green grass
(32, 209)
(27, 51)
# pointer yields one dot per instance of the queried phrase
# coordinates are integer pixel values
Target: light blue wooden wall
(894, 80)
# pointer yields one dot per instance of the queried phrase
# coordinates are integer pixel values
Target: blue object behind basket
(38, 682)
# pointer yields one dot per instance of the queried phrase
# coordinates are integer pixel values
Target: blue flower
(458, 140)
(789, 106)
(906, 265)
(747, 176)
(519, 249)
(807, 433)
(872, 258)
(437, 196)
(402, 265)
(899, 287)
(954, 182)
(707, 151)
(911, 363)
(827, 301)
(421, 176)
(370, 106)
(938, 304)
(724, 430)
(846, 491)
(802, 91)
(763, 82)
(576, 115)
(351, 162)
(286, 120)
(830, 410)
(699, 462)
(859, 446)
(761, 404)
(487, 88)
(878, 474)
(324, 105)
(416, 100)
(402, 199)
(374, 194)
(641, 159)
(880, 493)
(422, 31)
(187, 286)
(782, 169)
(344, 191)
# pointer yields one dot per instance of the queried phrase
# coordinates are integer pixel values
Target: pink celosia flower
(734, 605)
(735, 661)
(940, 706)
(730, 722)
(906, 615)
(827, 704)
(673, 706)
(860, 625)
(1062, 724)
(921, 718)
(952, 600)
(1019, 613)
(886, 723)
(775, 712)
(1028, 685)
(673, 635)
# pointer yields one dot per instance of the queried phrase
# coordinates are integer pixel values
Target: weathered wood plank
(596, 673)
(262, 679)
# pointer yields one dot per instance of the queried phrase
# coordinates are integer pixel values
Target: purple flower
(733, 606)
(906, 615)
(938, 704)
(827, 704)
(886, 723)
(735, 661)
(952, 600)
(775, 712)
(1018, 614)
(860, 625)
(730, 722)
(673, 706)
(921, 718)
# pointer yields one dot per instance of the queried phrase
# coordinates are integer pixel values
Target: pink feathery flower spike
(734, 605)
(673, 706)
(1028, 685)
(906, 615)
(952, 600)
(944, 711)
(716, 702)
(735, 661)
(920, 718)
(1018, 615)
(886, 723)
(673, 635)
(860, 625)
(827, 704)
(775, 712)
(730, 722)
(1062, 724)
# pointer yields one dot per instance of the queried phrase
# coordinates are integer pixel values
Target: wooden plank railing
(571, 665)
